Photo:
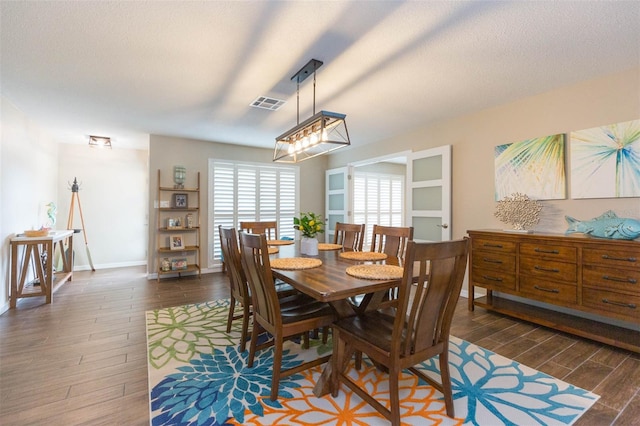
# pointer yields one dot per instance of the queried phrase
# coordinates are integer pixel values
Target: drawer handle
(620, 280)
(624, 305)
(489, 278)
(539, 250)
(540, 268)
(485, 259)
(548, 290)
(624, 259)
(492, 245)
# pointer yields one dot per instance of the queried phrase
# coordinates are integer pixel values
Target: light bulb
(313, 139)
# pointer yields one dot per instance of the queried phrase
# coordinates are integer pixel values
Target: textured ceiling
(127, 69)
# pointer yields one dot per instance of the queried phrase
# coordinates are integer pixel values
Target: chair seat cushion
(295, 311)
(374, 327)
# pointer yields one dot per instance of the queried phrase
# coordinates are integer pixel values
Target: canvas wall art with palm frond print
(534, 167)
(605, 161)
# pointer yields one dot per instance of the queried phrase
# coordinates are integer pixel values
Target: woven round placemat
(293, 263)
(375, 272)
(363, 255)
(279, 242)
(329, 246)
(272, 250)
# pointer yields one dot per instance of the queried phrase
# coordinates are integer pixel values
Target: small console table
(34, 247)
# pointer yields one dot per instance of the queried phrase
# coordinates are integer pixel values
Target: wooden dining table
(330, 283)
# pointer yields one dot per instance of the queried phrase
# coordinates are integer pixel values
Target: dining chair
(239, 291)
(391, 240)
(267, 313)
(239, 288)
(269, 228)
(349, 235)
(418, 331)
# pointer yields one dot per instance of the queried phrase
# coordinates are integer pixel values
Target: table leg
(48, 248)
(345, 309)
(14, 276)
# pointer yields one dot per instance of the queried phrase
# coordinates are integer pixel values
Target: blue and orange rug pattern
(197, 376)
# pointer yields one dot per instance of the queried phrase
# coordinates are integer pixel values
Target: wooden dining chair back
(238, 288)
(391, 240)
(418, 331)
(269, 228)
(297, 319)
(349, 235)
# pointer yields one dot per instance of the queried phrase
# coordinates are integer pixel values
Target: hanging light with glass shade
(321, 133)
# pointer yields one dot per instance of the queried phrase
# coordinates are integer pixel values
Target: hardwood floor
(82, 359)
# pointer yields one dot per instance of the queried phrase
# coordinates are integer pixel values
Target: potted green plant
(310, 225)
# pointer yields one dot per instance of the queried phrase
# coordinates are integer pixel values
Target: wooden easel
(75, 195)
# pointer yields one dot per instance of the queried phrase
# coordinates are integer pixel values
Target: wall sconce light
(320, 134)
(99, 142)
(179, 176)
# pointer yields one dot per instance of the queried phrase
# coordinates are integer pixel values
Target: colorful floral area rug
(197, 376)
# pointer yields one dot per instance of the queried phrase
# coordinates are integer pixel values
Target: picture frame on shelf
(176, 242)
(180, 201)
(174, 223)
(178, 263)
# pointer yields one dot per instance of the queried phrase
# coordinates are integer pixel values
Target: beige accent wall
(612, 99)
(166, 152)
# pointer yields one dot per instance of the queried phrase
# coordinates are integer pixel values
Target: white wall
(607, 100)
(113, 196)
(29, 174)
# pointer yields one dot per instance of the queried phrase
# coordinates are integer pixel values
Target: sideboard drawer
(549, 270)
(606, 278)
(546, 251)
(494, 261)
(493, 245)
(612, 258)
(623, 306)
(494, 280)
(547, 291)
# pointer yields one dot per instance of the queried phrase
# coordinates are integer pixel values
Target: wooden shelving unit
(185, 260)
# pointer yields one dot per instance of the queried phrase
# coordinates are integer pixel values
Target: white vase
(309, 246)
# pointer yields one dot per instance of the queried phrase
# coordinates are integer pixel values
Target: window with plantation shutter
(250, 192)
(378, 199)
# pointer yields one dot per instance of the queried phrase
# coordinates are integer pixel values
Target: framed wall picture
(176, 242)
(534, 167)
(180, 201)
(605, 161)
(178, 263)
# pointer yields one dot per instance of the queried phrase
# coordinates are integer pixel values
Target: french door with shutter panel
(338, 199)
(429, 194)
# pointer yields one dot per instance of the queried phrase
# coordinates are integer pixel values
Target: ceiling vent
(267, 103)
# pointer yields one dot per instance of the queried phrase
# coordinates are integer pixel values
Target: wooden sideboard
(598, 277)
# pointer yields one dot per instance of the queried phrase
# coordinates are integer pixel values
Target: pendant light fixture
(321, 133)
